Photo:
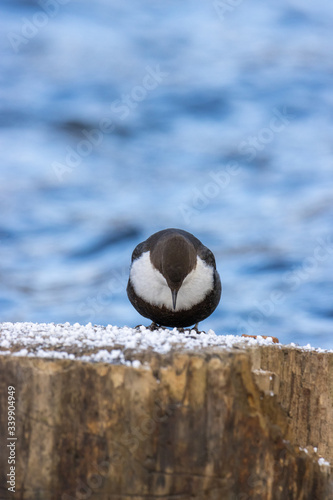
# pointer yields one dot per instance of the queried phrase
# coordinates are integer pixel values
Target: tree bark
(214, 423)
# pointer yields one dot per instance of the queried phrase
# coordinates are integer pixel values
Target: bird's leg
(196, 328)
(183, 330)
(153, 326)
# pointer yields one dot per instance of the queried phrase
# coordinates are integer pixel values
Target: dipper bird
(173, 279)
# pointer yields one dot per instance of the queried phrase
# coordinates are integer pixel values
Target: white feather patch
(151, 285)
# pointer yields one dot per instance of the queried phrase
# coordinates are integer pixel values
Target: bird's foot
(195, 328)
(152, 327)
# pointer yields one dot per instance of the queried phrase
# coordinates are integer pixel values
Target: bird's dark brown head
(175, 257)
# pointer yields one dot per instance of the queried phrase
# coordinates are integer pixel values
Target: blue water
(120, 120)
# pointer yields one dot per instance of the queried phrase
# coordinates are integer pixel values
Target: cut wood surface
(163, 415)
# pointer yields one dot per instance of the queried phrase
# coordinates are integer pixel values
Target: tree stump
(244, 421)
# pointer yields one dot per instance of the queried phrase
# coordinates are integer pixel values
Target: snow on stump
(107, 413)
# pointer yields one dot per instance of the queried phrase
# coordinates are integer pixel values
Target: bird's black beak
(174, 298)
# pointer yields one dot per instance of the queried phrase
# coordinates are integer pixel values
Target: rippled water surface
(120, 120)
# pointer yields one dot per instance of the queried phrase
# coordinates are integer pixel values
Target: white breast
(151, 285)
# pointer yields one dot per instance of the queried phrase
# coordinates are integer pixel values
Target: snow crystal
(323, 462)
(22, 352)
(108, 344)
